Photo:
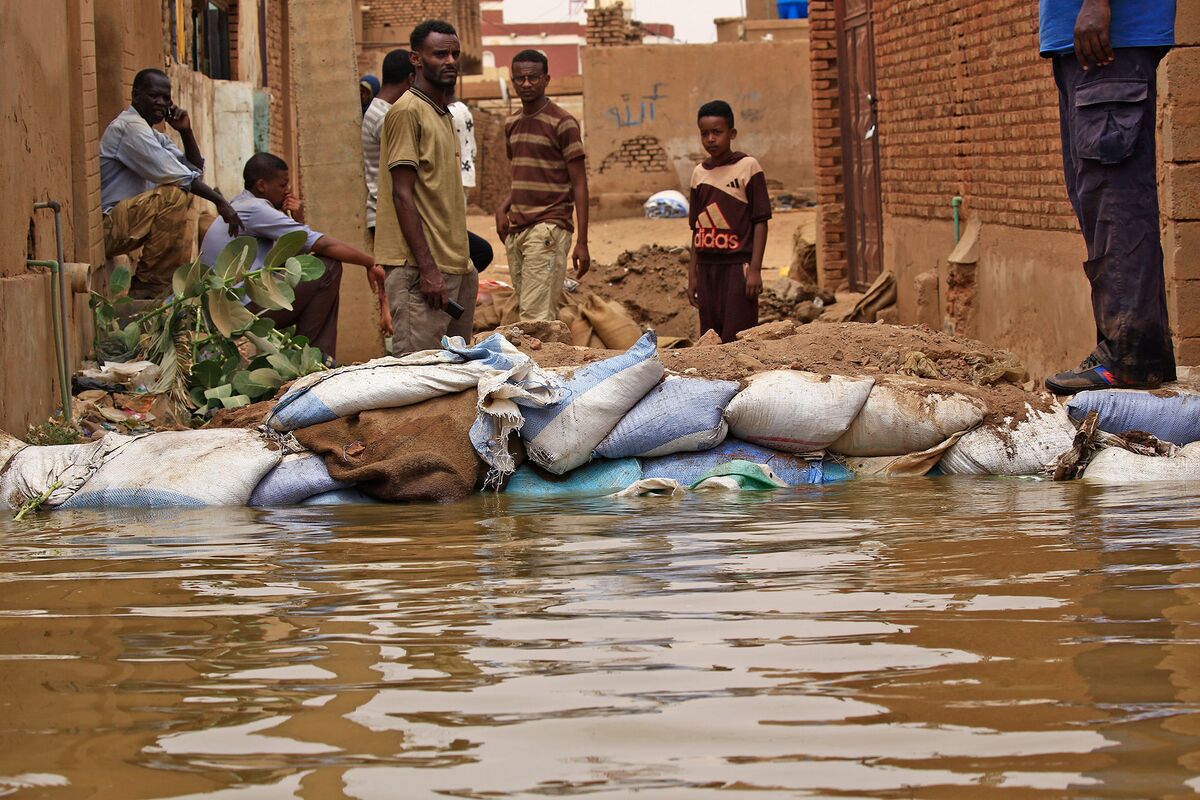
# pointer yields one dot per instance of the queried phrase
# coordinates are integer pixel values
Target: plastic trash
(667, 204)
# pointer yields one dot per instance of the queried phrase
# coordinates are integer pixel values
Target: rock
(555, 331)
(710, 339)
(889, 315)
(765, 333)
(807, 312)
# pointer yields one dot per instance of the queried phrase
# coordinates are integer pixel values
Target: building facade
(938, 159)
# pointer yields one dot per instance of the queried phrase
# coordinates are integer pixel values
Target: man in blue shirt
(146, 185)
(1105, 55)
(267, 210)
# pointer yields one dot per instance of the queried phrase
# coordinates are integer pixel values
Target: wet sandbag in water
(907, 416)
(1118, 467)
(798, 412)
(595, 398)
(1172, 417)
(298, 477)
(57, 471)
(341, 497)
(1016, 447)
(600, 477)
(687, 468)
(181, 469)
(419, 452)
(679, 415)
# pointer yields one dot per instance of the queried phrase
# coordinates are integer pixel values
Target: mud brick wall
(641, 153)
(393, 20)
(609, 27)
(493, 172)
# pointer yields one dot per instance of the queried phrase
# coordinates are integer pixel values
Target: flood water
(943, 638)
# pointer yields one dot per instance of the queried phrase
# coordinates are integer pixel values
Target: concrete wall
(640, 108)
(1024, 292)
(328, 127)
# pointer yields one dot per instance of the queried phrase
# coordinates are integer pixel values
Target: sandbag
(32, 471)
(1117, 466)
(595, 398)
(679, 415)
(907, 416)
(1017, 447)
(341, 497)
(298, 477)
(419, 452)
(740, 475)
(181, 469)
(798, 412)
(909, 465)
(611, 322)
(9, 447)
(687, 468)
(600, 477)
(1172, 417)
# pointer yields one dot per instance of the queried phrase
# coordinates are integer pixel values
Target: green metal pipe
(64, 381)
(955, 203)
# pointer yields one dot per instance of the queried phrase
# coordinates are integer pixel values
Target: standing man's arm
(404, 182)
(577, 169)
(502, 223)
(1093, 47)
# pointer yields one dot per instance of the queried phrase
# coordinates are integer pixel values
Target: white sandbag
(907, 416)
(9, 447)
(33, 471)
(680, 415)
(797, 412)
(1013, 448)
(909, 465)
(298, 477)
(180, 468)
(1117, 466)
(381, 383)
(595, 398)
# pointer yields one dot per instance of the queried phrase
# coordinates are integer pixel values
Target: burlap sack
(418, 452)
(611, 322)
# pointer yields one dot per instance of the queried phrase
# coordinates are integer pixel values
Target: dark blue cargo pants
(1108, 140)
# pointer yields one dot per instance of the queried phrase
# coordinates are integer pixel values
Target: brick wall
(641, 154)
(276, 77)
(493, 173)
(392, 21)
(610, 27)
(827, 142)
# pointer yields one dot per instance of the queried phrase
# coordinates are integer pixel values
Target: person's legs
(740, 313)
(1111, 166)
(481, 251)
(155, 221)
(465, 293)
(541, 256)
(316, 306)
(415, 326)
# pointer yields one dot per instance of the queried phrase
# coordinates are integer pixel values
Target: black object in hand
(454, 309)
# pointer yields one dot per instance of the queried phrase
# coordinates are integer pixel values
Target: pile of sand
(651, 284)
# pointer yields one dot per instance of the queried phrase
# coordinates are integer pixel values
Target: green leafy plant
(211, 350)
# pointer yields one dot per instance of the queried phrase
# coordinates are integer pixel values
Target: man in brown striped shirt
(549, 179)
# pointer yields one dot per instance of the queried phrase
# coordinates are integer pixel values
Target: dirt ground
(607, 239)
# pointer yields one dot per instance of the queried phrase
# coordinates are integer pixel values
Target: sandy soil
(607, 239)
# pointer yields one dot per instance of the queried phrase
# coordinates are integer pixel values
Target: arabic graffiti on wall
(633, 112)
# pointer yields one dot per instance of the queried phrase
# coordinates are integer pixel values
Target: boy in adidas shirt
(729, 213)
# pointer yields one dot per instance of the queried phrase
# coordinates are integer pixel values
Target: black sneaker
(1090, 375)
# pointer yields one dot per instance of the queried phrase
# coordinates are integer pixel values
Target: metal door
(860, 142)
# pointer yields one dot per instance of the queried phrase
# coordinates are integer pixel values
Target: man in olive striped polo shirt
(549, 180)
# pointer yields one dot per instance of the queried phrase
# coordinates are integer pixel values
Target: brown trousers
(415, 326)
(157, 222)
(315, 311)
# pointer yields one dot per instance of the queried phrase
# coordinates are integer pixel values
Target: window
(210, 38)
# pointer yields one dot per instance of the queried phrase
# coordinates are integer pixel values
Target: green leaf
(282, 295)
(257, 383)
(284, 248)
(235, 259)
(284, 365)
(262, 326)
(311, 267)
(188, 280)
(118, 282)
(130, 335)
(311, 360)
(257, 291)
(237, 401)
(197, 395)
(229, 315)
(207, 373)
(292, 272)
(218, 392)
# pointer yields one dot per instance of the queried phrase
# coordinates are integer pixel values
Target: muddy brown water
(946, 638)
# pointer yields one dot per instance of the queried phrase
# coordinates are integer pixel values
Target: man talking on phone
(421, 219)
(146, 185)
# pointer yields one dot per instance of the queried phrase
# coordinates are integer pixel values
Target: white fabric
(464, 126)
(907, 416)
(797, 412)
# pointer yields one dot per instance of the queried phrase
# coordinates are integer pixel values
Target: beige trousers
(537, 262)
(415, 326)
(157, 222)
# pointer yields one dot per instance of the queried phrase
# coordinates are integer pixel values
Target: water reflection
(944, 638)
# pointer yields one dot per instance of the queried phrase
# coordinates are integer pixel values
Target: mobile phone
(454, 309)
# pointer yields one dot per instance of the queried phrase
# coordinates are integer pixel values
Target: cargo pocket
(1108, 118)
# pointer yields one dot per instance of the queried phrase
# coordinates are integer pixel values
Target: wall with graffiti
(640, 108)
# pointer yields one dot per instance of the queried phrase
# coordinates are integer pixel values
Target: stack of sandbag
(1170, 415)
(1118, 466)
